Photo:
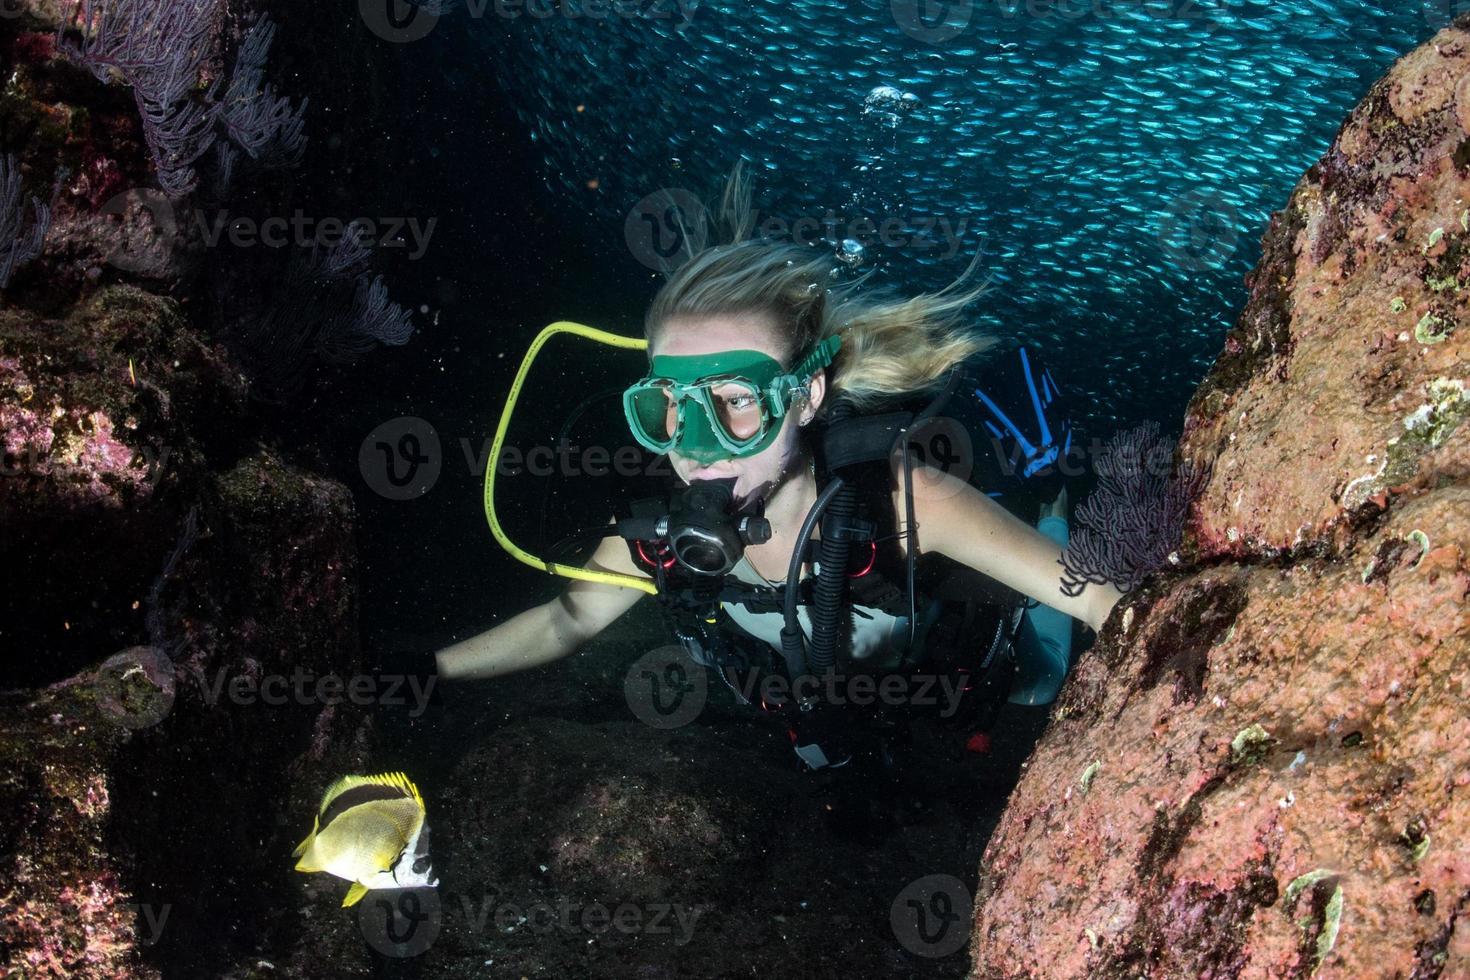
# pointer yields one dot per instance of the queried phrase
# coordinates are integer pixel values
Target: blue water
(1116, 161)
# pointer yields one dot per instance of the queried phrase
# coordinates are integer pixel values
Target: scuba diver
(793, 411)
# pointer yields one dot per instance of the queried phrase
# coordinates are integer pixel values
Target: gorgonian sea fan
(20, 241)
(157, 47)
(1134, 520)
(327, 308)
(265, 126)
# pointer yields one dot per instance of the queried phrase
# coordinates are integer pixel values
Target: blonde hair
(891, 346)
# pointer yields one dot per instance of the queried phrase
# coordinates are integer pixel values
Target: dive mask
(709, 407)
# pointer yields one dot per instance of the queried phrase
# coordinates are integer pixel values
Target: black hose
(793, 641)
(832, 581)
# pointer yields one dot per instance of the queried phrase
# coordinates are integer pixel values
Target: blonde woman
(725, 332)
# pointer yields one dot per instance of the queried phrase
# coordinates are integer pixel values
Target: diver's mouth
(708, 474)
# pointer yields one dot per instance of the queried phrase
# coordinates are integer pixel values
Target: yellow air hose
(493, 464)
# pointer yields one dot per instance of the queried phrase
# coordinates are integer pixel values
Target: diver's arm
(551, 630)
(958, 521)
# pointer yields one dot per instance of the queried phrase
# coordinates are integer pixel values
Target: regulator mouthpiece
(705, 536)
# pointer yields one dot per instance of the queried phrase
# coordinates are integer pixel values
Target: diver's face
(760, 474)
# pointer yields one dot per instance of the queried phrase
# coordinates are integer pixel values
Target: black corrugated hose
(832, 582)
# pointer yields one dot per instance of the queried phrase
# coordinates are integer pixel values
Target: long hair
(891, 346)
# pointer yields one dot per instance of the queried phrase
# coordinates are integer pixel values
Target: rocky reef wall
(1263, 767)
(163, 561)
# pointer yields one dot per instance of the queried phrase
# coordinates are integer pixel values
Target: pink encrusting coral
(1263, 767)
(74, 448)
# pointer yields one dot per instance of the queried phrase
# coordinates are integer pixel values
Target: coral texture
(1263, 768)
(159, 560)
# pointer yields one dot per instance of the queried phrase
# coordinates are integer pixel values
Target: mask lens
(656, 412)
(738, 410)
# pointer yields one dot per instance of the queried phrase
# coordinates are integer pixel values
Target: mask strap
(820, 356)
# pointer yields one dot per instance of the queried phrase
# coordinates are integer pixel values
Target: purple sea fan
(157, 47)
(264, 126)
(327, 308)
(1134, 519)
(19, 242)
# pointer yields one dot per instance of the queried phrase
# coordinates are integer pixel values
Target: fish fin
(402, 782)
(354, 895)
(395, 780)
(301, 848)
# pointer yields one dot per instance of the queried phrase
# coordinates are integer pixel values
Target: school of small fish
(1116, 160)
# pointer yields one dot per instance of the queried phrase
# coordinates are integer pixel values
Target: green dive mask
(724, 405)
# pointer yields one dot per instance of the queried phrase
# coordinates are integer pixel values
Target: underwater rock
(1276, 736)
(109, 416)
(162, 568)
(1344, 379)
(64, 908)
